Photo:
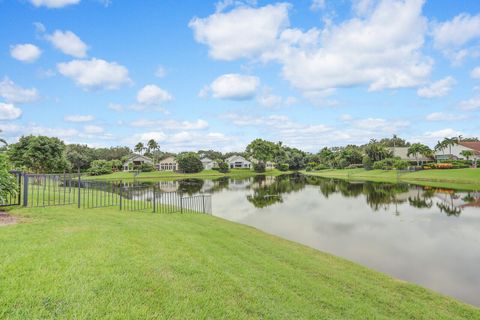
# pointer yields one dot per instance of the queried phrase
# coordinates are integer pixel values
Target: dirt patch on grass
(6, 219)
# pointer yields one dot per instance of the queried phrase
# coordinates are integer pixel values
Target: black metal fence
(42, 190)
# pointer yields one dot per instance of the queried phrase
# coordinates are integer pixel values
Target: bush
(223, 167)
(367, 163)
(355, 166)
(147, 167)
(390, 164)
(321, 166)
(443, 165)
(8, 185)
(99, 167)
(259, 167)
(283, 166)
(189, 162)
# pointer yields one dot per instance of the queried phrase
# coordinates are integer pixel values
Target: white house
(208, 163)
(402, 153)
(167, 164)
(134, 161)
(237, 161)
(455, 151)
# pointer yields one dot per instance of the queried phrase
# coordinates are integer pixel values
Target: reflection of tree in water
(422, 200)
(381, 195)
(449, 209)
(220, 184)
(190, 186)
(269, 191)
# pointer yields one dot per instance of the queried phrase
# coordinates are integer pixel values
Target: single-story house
(455, 151)
(402, 153)
(237, 161)
(134, 161)
(167, 164)
(269, 165)
(208, 163)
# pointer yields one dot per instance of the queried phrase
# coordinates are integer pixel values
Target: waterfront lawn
(449, 178)
(69, 263)
(171, 175)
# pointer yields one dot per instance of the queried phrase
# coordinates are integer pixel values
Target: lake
(429, 236)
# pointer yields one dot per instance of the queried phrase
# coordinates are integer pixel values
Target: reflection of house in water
(207, 186)
(263, 182)
(239, 183)
(168, 186)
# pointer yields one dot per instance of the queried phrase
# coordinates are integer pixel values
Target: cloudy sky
(199, 74)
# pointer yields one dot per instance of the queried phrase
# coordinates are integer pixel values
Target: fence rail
(42, 190)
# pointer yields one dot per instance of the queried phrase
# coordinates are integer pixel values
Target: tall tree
(39, 154)
(262, 151)
(139, 147)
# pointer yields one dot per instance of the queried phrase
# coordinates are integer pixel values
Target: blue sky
(199, 74)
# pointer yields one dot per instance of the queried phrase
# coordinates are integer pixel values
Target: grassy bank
(170, 175)
(67, 263)
(468, 179)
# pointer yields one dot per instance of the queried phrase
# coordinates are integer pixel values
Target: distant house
(402, 153)
(238, 162)
(135, 161)
(208, 164)
(167, 164)
(455, 151)
(269, 165)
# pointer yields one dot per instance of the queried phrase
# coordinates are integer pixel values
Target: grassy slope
(103, 263)
(454, 178)
(170, 175)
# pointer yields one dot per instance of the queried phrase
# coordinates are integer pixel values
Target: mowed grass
(451, 178)
(171, 175)
(69, 263)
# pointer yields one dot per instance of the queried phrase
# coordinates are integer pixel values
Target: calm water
(428, 236)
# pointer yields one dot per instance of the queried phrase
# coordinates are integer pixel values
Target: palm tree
(3, 140)
(440, 146)
(152, 145)
(449, 142)
(139, 147)
(414, 150)
(395, 137)
(467, 154)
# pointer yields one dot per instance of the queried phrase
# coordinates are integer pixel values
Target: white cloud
(160, 72)
(171, 124)
(317, 5)
(452, 36)
(69, 43)
(53, 3)
(13, 93)
(380, 49)
(153, 95)
(241, 33)
(95, 73)
(79, 118)
(25, 52)
(233, 87)
(116, 107)
(158, 136)
(9, 111)
(475, 74)
(439, 88)
(272, 101)
(470, 104)
(443, 133)
(441, 116)
(93, 129)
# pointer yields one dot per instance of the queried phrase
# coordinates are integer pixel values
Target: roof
(474, 145)
(138, 156)
(237, 158)
(402, 153)
(206, 159)
(169, 159)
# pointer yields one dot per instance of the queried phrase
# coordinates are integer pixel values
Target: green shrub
(321, 166)
(8, 184)
(223, 167)
(283, 166)
(390, 164)
(99, 167)
(354, 166)
(259, 167)
(367, 163)
(189, 162)
(147, 167)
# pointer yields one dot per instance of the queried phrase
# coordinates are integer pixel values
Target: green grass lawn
(451, 178)
(170, 175)
(68, 263)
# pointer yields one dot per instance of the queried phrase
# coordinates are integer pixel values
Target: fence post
(203, 201)
(181, 203)
(19, 181)
(78, 187)
(25, 190)
(154, 199)
(121, 190)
